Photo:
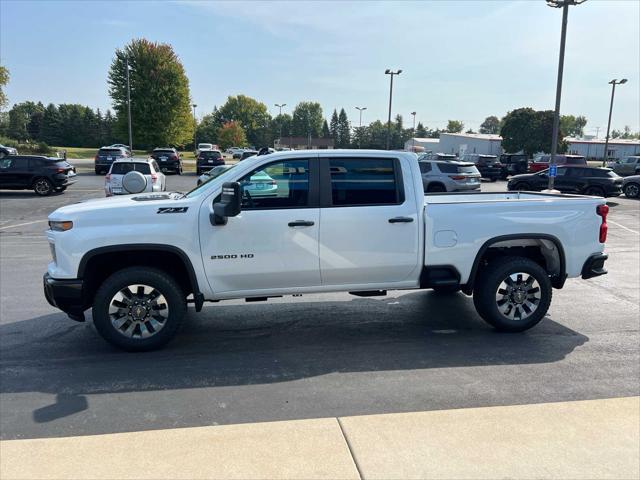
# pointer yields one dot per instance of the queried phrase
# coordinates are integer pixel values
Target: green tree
(231, 134)
(20, 119)
(525, 129)
(326, 133)
(454, 126)
(421, 132)
(109, 122)
(573, 126)
(344, 130)
(160, 100)
(207, 130)
(281, 124)
(490, 125)
(307, 119)
(4, 80)
(51, 125)
(252, 116)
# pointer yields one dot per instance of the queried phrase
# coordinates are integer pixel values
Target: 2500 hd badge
(232, 256)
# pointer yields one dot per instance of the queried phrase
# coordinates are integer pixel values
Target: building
(461, 143)
(618, 148)
(422, 145)
(303, 143)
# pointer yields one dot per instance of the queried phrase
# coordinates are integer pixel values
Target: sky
(462, 60)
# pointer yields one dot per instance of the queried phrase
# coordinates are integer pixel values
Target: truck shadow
(247, 344)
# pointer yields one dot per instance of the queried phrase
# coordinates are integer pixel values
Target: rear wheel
(632, 190)
(139, 309)
(594, 191)
(513, 293)
(42, 187)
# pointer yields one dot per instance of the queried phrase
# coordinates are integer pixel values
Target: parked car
(134, 175)
(600, 182)
(447, 157)
(343, 221)
(248, 153)
(259, 185)
(43, 175)
(205, 146)
(168, 159)
(233, 150)
(121, 145)
(106, 156)
(513, 164)
(631, 186)
(541, 162)
(628, 166)
(207, 159)
(439, 176)
(488, 165)
(213, 173)
(5, 151)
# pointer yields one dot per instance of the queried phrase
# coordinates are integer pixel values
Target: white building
(594, 148)
(422, 144)
(461, 143)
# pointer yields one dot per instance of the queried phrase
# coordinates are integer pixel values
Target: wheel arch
(551, 255)
(97, 264)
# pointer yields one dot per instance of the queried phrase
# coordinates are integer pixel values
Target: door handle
(401, 220)
(301, 223)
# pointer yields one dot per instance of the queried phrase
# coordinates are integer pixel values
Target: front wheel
(139, 309)
(513, 293)
(632, 190)
(595, 192)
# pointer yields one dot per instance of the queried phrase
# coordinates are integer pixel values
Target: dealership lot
(308, 357)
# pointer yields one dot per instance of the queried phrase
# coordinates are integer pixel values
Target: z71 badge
(172, 209)
(232, 256)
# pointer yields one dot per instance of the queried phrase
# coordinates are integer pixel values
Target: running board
(369, 293)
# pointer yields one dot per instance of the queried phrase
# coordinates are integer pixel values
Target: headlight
(60, 226)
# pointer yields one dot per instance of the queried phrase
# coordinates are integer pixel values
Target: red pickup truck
(542, 162)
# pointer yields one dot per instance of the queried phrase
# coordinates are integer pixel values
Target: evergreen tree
(421, 132)
(333, 126)
(51, 125)
(326, 133)
(344, 131)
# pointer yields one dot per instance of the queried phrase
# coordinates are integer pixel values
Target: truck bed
(483, 197)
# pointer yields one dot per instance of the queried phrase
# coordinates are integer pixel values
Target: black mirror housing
(230, 204)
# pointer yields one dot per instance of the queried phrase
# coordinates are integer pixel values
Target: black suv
(514, 164)
(600, 182)
(168, 159)
(106, 156)
(207, 159)
(44, 175)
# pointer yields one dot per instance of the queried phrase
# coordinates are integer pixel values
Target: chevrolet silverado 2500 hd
(356, 221)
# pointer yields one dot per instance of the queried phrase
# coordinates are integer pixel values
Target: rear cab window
(365, 181)
(125, 167)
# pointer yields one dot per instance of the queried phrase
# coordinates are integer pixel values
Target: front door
(14, 172)
(368, 222)
(273, 243)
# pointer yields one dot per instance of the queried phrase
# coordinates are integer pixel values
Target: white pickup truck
(315, 221)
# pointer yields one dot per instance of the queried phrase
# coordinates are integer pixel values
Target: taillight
(603, 211)
(60, 170)
(457, 177)
(154, 177)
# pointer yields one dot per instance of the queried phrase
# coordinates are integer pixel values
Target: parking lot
(304, 357)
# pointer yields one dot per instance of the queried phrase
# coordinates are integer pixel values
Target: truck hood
(119, 205)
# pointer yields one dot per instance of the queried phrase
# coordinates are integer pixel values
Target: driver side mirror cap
(230, 204)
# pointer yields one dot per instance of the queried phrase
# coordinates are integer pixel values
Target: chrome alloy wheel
(138, 311)
(518, 296)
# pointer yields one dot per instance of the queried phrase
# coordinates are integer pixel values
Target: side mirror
(230, 204)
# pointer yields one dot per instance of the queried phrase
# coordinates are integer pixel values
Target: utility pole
(360, 109)
(613, 84)
(129, 107)
(280, 121)
(392, 73)
(195, 128)
(413, 132)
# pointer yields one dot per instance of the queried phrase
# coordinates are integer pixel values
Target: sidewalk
(586, 439)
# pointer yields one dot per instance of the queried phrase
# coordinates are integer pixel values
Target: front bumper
(594, 266)
(67, 295)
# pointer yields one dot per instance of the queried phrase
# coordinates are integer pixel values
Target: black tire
(60, 189)
(446, 289)
(98, 172)
(436, 188)
(179, 170)
(489, 283)
(522, 186)
(632, 190)
(594, 191)
(42, 186)
(160, 281)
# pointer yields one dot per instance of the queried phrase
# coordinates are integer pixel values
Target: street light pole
(392, 73)
(195, 128)
(413, 133)
(280, 105)
(129, 106)
(613, 84)
(564, 4)
(360, 109)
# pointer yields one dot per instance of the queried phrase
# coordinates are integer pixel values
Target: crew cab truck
(355, 221)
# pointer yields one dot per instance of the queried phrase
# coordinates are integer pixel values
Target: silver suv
(439, 176)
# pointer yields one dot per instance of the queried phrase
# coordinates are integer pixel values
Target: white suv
(134, 175)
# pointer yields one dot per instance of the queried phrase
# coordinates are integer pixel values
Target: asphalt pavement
(316, 356)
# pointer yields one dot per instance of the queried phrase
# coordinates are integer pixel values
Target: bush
(39, 148)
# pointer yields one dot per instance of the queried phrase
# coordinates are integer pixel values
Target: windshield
(214, 174)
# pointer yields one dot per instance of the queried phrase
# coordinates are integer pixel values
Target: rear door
(368, 221)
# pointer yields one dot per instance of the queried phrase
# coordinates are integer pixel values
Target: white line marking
(22, 224)
(622, 226)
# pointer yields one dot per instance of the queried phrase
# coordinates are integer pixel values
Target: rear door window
(365, 181)
(425, 167)
(448, 167)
